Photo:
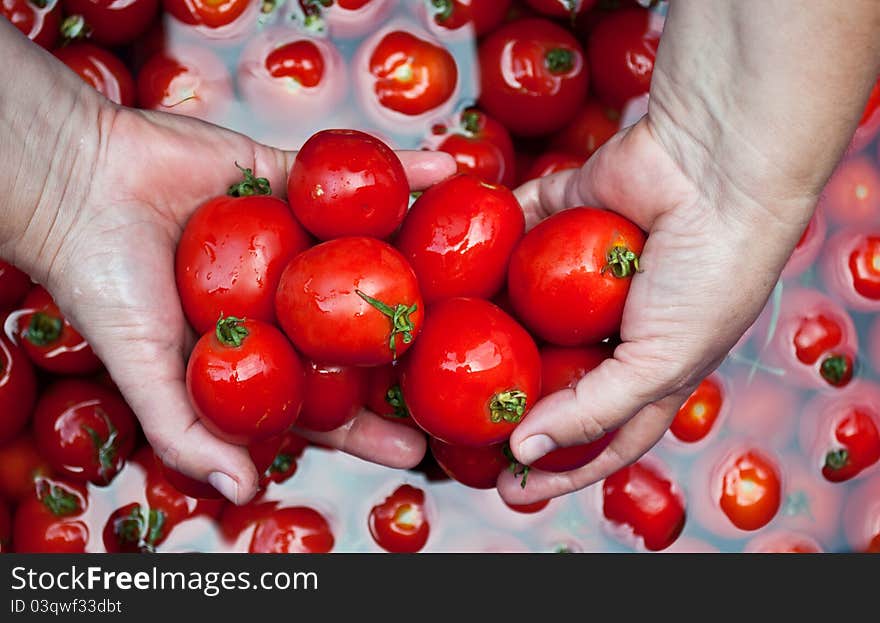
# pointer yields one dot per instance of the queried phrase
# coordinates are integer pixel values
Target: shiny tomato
(14, 284)
(646, 502)
(862, 517)
(458, 238)
(84, 430)
(347, 19)
(5, 527)
(590, 128)
(293, 530)
(333, 396)
(697, 416)
(384, 396)
(473, 374)
(850, 267)
(114, 22)
(400, 524)
(552, 162)
(483, 16)
(533, 76)
(49, 340)
(18, 390)
(750, 489)
(133, 528)
(51, 520)
(235, 269)
(783, 543)
(481, 146)
(22, 465)
(852, 195)
(39, 21)
(348, 183)
(473, 467)
(284, 464)
(101, 69)
(561, 8)
(353, 301)
(209, 13)
(622, 49)
(808, 247)
(857, 434)
(569, 276)
(245, 381)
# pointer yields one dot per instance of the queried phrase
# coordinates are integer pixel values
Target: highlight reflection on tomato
(697, 416)
(399, 524)
(41, 24)
(333, 396)
(101, 69)
(50, 520)
(850, 267)
(294, 530)
(480, 145)
(750, 489)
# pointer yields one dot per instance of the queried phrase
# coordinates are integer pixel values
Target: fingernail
(533, 448)
(225, 485)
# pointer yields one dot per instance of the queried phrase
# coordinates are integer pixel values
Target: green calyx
(509, 406)
(40, 4)
(837, 459)
(75, 27)
(268, 6)
(250, 186)
(394, 397)
(516, 468)
(59, 502)
(442, 9)
(559, 60)
(230, 331)
(835, 369)
(130, 528)
(470, 121)
(401, 324)
(156, 530)
(281, 464)
(621, 262)
(44, 329)
(105, 448)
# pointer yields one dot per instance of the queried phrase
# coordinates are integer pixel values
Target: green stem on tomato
(43, 329)
(401, 323)
(559, 60)
(621, 262)
(837, 459)
(75, 27)
(508, 406)
(394, 397)
(230, 331)
(250, 186)
(835, 369)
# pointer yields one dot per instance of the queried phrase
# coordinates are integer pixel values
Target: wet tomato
(384, 396)
(750, 489)
(114, 22)
(101, 69)
(550, 163)
(458, 238)
(533, 76)
(400, 524)
(477, 467)
(293, 530)
(569, 276)
(208, 13)
(333, 396)
(698, 415)
(51, 519)
(850, 267)
(284, 464)
(39, 21)
(852, 195)
(783, 543)
(134, 528)
(14, 284)
(84, 430)
(348, 183)
(480, 145)
(235, 269)
(591, 128)
(473, 374)
(22, 465)
(245, 381)
(483, 16)
(18, 390)
(561, 8)
(353, 301)
(49, 340)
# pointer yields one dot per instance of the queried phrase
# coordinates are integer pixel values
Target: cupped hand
(113, 274)
(712, 257)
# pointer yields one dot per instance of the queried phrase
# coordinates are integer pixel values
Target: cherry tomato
(862, 517)
(114, 22)
(458, 238)
(5, 527)
(101, 69)
(473, 467)
(84, 430)
(808, 247)
(569, 276)
(399, 524)
(353, 301)
(483, 16)
(591, 128)
(22, 465)
(697, 416)
(384, 396)
(333, 396)
(18, 390)
(208, 13)
(850, 267)
(561, 8)
(481, 146)
(235, 269)
(14, 284)
(622, 49)
(473, 374)
(293, 530)
(134, 528)
(550, 163)
(245, 381)
(533, 76)
(39, 21)
(347, 19)
(528, 509)
(235, 520)
(646, 502)
(49, 340)
(852, 195)
(284, 465)
(348, 183)
(50, 520)
(750, 489)
(783, 543)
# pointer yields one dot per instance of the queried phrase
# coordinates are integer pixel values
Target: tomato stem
(75, 27)
(442, 9)
(559, 60)
(281, 464)
(230, 331)
(394, 397)
(837, 459)
(129, 529)
(509, 406)
(621, 262)
(251, 185)
(836, 370)
(470, 121)
(516, 468)
(400, 319)
(43, 329)
(59, 502)
(105, 448)
(156, 530)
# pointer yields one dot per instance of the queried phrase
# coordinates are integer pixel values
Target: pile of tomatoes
(436, 310)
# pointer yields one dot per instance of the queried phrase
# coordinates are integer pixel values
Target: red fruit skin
(333, 396)
(18, 390)
(556, 282)
(528, 509)
(22, 465)
(591, 127)
(40, 25)
(84, 430)
(561, 8)
(399, 524)
(249, 393)
(622, 49)
(515, 79)
(852, 195)
(294, 530)
(550, 163)
(14, 284)
(465, 17)
(647, 503)
(5, 527)
(850, 267)
(114, 22)
(37, 530)
(750, 506)
(381, 381)
(477, 468)
(234, 269)
(318, 306)
(469, 352)
(699, 415)
(101, 69)
(458, 238)
(207, 13)
(481, 146)
(134, 528)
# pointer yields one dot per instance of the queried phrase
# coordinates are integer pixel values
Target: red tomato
(22, 465)
(133, 528)
(697, 416)
(591, 128)
(114, 22)
(384, 396)
(50, 520)
(857, 433)
(5, 527)
(49, 340)
(284, 464)
(852, 195)
(458, 238)
(245, 381)
(399, 524)
(294, 530)
(347, 19)
(481, 146)
(532, 65)
(483, 16)
(348, 183)
(808, 247)
(570, 275)
(622, 49)
(235, 520)
(39, 21)
(333, 396)
(84, 430)
(473, 374)
(862, 517)
(783, 543)
(550, 163)
(168, 504)
(209, 13)
(850, 267)
(529, 509)
(235, 269)
(561, 8)
(354, 301)
(646, 502)
(750, 489)
(14, 284)
(18, 390)
(101, 69)
(474, 467)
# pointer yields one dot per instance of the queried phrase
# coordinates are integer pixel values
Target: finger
(426, 168)
(632, 441)
(375, 439)
(545, 196)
